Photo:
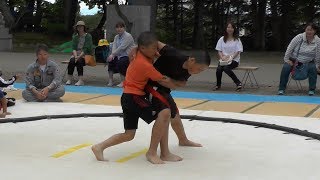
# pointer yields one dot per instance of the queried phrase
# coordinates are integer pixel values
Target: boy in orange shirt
(135, 105)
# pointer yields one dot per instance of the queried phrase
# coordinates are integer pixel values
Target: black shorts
(135, 107)
(158, 105)
(123, 64)
(119, 65)
(112, 65)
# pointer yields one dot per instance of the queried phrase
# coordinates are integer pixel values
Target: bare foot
(154, 158)
(98, 153)
(3, 115)
(171, 157)
(189, 143)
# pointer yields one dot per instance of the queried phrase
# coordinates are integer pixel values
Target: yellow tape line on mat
(131, 156)
(70, 150)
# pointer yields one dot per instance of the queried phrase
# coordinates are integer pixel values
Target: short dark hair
(42, 47)
(147, 38)
(120, 24)
(313, 26)
(201, 57)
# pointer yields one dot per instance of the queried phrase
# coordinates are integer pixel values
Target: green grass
(27, 41)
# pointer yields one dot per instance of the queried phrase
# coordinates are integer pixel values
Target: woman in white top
(229, 48)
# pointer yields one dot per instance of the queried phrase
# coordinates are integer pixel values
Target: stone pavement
(267, 75)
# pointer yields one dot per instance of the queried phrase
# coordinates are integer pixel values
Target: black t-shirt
(170, 64)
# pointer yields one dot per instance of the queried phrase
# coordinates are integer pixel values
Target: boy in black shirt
(179, 67)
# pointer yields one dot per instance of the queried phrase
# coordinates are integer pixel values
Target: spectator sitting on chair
(82, 45)
(229, 48)
(119, 59)
(306, 46)
(43, 79)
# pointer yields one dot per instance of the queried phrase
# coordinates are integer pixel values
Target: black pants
(228, 70)
(79, 64)
(119, 65)
(123, 64)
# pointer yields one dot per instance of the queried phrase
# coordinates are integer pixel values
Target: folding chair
(297, 82)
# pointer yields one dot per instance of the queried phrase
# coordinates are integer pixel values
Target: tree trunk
(27, 19)
(222, 15)
(181, 22)
(310, 11)
(70, 9)
(7, 16)
(285, 38)
(98, 33)
(258, 14)
(175, 22)
(198, 36)
(104, 16)
(38, 16)
(122, 16)
(275, 26)
(238, 14)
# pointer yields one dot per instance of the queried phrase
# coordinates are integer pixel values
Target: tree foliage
(264, 24)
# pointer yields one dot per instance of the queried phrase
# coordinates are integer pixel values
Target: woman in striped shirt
(305, 48)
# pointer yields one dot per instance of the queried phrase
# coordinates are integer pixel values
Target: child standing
(135, 105)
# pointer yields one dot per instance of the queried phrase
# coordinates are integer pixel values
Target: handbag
(299, 70)
(225, 63)
(89, 60)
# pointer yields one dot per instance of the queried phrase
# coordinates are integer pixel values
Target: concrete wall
(5, 37)
(138, 15)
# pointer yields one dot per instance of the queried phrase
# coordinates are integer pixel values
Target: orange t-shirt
(139, 72)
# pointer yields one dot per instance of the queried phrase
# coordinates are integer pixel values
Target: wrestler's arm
(168, 82)
(161, 45)
(180, 83)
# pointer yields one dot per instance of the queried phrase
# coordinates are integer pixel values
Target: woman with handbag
(229, 48)
(302, 59)
(82, 48)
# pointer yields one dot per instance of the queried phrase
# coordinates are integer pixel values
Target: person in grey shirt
(118, 59)
(43, 79)
(305, 48)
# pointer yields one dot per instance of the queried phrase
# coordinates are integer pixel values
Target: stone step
(6, 44)
(4, 33)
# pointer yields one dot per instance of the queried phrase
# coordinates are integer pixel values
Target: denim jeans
(312, 76)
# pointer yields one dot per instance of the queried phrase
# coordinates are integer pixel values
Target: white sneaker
(79, 83)
(120, 85)
(68, 82)
(12, 88)
(110, 84)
